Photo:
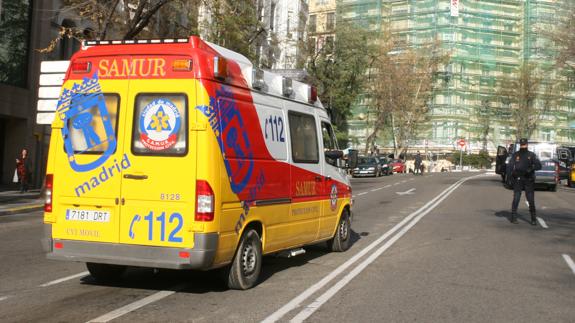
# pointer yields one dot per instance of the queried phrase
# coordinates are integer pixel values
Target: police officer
(417, 164)
(524, 163)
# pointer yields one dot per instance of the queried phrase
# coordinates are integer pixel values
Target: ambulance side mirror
(334, 154)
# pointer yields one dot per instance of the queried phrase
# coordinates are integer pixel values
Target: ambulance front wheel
(105, 273)
(341, 241)
(246, 266)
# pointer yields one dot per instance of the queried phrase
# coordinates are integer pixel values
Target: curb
(22, 209)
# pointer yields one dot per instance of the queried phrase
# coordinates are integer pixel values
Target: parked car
(549, 155)
(398, 166)
(367, 166)
(384, 162)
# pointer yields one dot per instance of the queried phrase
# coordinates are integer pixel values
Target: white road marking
(376, 189)
(314, 306)
(57, 281)
(133, 306)
(296, 301)
(386, 186)
(408, 192)
(362, 193)
(569, 262)
(542, 223)
(396, 183)
(3, 298)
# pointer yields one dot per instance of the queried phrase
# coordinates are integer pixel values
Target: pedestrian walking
(417, 164)
(24, 169)
(523, 167)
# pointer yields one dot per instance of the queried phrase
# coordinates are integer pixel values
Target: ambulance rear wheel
(247, 264)
(341, 241)
(105, 273)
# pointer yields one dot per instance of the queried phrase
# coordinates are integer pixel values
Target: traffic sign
(461, 142)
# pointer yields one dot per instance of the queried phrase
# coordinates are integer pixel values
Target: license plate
(87, 215)
(363, 172)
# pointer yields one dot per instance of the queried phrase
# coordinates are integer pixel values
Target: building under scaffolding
(486, 40)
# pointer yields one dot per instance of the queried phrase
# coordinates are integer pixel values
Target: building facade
(321, 24)
(22, 31)
(486, 40)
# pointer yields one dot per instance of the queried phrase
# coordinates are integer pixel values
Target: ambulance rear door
(158, 188)
(89, 156)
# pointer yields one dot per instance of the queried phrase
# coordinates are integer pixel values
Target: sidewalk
(12, 202)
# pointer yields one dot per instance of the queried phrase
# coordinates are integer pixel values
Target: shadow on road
(201, 282)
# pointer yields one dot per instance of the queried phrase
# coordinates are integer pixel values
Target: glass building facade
(15, 18)
(486, 40)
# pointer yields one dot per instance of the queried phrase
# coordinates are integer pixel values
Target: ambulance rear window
(87, 130)
(160, 125)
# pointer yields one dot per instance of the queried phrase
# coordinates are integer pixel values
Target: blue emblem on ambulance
(87, 125)
(160, 122)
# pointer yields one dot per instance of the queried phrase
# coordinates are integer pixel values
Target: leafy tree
(339, 69)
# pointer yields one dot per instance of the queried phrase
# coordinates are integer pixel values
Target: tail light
(205, 201)
(49, 192)
(81, 67)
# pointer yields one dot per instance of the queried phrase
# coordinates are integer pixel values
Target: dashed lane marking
(542, 223)
(362, 193)
(57, 281)
(133, 306)
(3, 298)
(569, 262)
(376, 189)
(386, 186)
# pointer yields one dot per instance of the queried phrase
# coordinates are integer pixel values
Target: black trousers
(527, 185)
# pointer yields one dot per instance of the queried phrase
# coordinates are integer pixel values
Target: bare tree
(529, 97)
(402, 82)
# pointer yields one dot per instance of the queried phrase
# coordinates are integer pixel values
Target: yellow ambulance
(178, 153)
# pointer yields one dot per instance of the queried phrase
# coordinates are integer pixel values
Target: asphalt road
(433, 248)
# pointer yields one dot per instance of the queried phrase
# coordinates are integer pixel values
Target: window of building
(14, 39)
(312, 23)
(330, 21)
(329, 43)
(272, 15)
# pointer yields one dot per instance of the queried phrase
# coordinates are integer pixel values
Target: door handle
(138, 177)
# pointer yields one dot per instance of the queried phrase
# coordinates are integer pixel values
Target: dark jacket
(524, 164)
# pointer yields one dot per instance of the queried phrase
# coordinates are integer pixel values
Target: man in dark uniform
(417, 164)
(524, 163)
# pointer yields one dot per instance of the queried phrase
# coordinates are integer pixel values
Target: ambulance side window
(87, 131)
(160, 125)
(303, 135)
(329, 142)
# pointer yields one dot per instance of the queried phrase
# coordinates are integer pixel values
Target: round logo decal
(333, 197)
(159, 125)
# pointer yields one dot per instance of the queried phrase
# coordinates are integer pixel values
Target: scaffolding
(487, 40)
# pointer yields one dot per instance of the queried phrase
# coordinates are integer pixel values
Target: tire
(503, 178)
(105, 273)
(570, 182)
(552, 188)
(246, 266)
(341, 240)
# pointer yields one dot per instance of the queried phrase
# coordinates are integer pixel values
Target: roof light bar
(137, 41)
(287, 89)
